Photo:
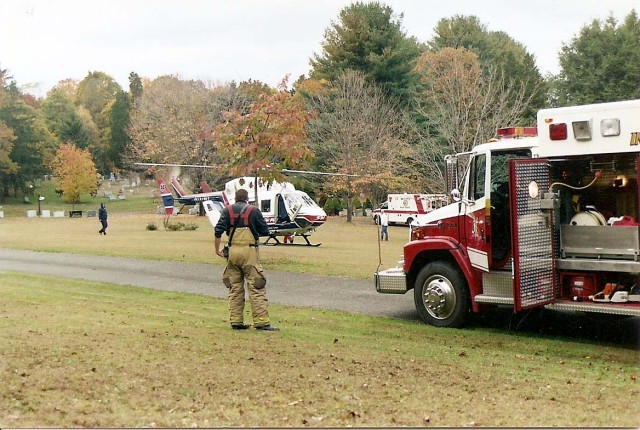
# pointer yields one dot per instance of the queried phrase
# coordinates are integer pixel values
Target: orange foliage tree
(75, 172)
(267, 138)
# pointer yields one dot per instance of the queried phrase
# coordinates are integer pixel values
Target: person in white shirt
(384, 224)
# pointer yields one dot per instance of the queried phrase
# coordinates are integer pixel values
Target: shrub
(152, 226)
(174, 226)
(180, 226)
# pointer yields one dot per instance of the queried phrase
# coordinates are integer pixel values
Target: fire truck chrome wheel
(441, 295)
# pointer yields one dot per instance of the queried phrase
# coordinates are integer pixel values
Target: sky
(218, 41)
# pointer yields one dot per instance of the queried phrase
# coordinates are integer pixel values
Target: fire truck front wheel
(441, 295)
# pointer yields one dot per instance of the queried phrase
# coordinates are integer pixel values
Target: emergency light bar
(514, 132)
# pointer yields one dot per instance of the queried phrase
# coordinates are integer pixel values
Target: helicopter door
(282, 214)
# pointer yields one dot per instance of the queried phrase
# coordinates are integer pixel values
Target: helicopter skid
(277, 242)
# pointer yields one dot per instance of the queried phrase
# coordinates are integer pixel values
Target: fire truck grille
(534, 238)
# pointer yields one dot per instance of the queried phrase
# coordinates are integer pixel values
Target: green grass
(128, 237)
(141, 199)
(86, 354)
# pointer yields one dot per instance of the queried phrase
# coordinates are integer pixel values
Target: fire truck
(542, 216)
(404, 208)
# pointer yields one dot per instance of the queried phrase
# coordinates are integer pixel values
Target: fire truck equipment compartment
(600, 242)
(391, 281)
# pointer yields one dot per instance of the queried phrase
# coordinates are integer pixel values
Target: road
(308, 291)
(282, 287)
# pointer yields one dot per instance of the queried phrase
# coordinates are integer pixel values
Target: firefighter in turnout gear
(244, 225)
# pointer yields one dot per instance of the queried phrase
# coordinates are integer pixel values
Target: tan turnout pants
(244, 265)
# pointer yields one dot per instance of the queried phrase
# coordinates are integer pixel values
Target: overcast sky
(45, 41)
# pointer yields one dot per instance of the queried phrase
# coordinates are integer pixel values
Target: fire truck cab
(541, 216)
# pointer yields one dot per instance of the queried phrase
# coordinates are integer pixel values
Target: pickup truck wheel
(441, 295)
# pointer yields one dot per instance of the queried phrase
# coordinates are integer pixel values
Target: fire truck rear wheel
(441, 295)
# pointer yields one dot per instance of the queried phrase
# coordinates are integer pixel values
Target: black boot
(239, 326)
(267, 328)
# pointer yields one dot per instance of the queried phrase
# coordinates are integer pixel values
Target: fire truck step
(497, 300)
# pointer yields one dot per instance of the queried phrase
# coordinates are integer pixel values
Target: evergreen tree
(119, 117)
(369, 38)
(601, 64)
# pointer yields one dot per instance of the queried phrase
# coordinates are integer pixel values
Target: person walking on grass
(102, 217)
(244, 224)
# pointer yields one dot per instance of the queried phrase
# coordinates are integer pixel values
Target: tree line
(377, 105)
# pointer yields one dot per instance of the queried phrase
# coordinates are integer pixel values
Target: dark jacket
(257, 224)
(102, 214)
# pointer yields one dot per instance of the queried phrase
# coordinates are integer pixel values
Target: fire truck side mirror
(455, 195)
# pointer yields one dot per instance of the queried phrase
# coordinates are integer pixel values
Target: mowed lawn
(350, 250)
(81, 354)
(85, 354)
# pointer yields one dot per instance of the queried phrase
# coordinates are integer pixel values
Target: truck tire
(376, 220)
(409, 221)
(441, 295)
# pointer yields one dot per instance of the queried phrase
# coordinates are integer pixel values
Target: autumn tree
(267, 138)
(465, 105)
(601, 64)
(75, 173)
(369, 37)
(33, 144)
(173, 122)
(498, 54)
(97, 93)
(7, 165)
(358, 132)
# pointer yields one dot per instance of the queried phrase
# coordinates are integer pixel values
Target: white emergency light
(610, 127)
(581, 130)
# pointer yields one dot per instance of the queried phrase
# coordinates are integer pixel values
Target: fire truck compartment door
(532, 235)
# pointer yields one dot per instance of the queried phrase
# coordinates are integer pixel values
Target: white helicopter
(289, 212)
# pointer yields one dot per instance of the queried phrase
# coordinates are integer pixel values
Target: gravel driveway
(282, 287)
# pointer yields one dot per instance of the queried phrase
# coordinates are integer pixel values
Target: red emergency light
(558, 131)
(515, 132)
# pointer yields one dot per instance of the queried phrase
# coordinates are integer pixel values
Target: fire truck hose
(597, 176)
(379, 231)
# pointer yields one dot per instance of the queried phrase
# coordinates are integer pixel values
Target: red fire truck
(541, 216)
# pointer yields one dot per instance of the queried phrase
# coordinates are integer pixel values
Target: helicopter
(288, 212)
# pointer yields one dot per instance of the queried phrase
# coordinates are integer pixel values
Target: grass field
(349, 250)
(81, 354)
